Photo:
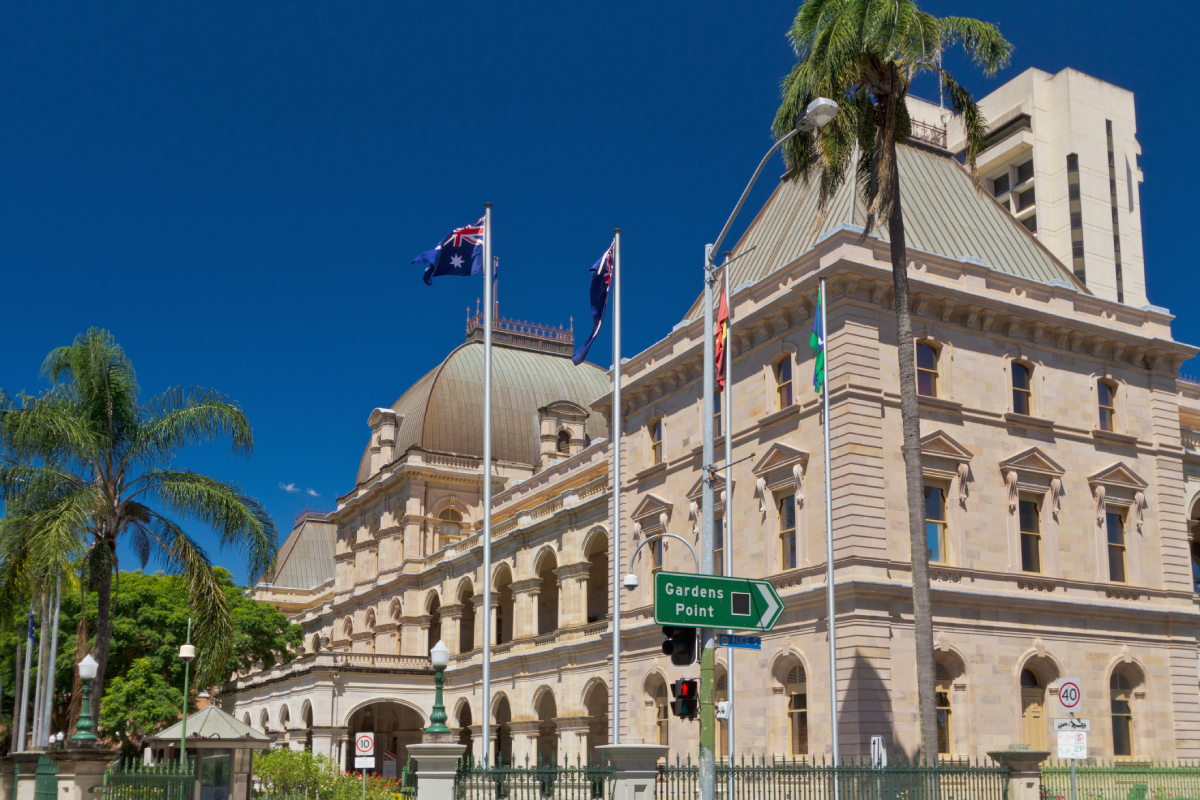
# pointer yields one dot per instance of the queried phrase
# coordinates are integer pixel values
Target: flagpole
(830, 610)
(615, 446)
(487, 483)
(727, 417)
(20, 744)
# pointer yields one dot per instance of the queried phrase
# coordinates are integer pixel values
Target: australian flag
(460, 253)
(602, 272)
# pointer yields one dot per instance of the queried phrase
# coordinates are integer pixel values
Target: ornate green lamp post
(83, 728)
(439, 655)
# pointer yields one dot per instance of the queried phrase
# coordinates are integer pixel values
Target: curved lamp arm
(658, 536)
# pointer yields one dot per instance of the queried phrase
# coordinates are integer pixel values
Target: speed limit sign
(1070, 695)
(364, 751)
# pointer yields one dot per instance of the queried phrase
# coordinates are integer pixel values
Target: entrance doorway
(1033, 705)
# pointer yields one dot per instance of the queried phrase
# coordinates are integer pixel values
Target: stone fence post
(635, 768)
(80, 770)
(436, 764)
(1024, 776)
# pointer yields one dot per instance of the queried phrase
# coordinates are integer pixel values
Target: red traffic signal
(686, 692)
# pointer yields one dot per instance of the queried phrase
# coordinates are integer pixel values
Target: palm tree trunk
(910, 423)
(103, 632)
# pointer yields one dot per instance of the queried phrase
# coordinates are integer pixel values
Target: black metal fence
(533, 781)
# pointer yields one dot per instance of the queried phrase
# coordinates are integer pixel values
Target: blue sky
(236, 189)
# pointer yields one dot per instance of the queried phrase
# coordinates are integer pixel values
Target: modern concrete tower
(1063, 158)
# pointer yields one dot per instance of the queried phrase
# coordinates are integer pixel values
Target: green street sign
(711, 601)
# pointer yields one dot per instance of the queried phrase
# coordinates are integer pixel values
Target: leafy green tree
(150, 614)
(292, 773)
(866, 54)
(86, 465)
(137, 704)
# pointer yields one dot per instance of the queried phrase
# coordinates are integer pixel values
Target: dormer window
(450, 527)
(564, 443)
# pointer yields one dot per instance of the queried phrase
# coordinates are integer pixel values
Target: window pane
(926, 384)
(1028, 512)
(926, 357)
(1122, 736)
(1031, 556)
(1116, 564)
(789, 551)
(1105, 420)
(1020, 376)
(934, 507)
(785, 396)
(787, 513)
(1020, 402)
(933, 538)
(1104, 393)
(1116, 529)
(785, 370)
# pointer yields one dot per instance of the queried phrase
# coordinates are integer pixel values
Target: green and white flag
(817, 342)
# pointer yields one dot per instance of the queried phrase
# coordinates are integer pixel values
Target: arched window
(1033, 699)
(564, 443)
(435, 624)
(1106, 398)
(787, 532)
(1022, 389)
(371, 628)
(1120, 692)
(450, 527)
(927, 370)
(796, 691)
(662, 715)
(945, 731)
(654, 430)
(783, 383)
(466, 621)
(316, 642)
(347, 628)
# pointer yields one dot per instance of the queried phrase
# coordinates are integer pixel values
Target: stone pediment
(1034, 462)
(651, 507)
(565, 408)
(940, 445)
(696, 493)
(1118, 476)
(780, 456)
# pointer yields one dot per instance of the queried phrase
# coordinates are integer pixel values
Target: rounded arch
(1131, 667)
(541, 694)
(465, 584)
(316, 642)
(540, 556)
(432, 602)
(497, 699)
(562, 442)
(347, 627)
(593, 538)
(953, 660)
(370, 619)
(264, 721)
(395, 610)
(346, 716)
(1045, 666)
(246, 719)
(593, 683)
(502, 571)
(653, 678)
(306, 714)
(285, 717)
(463, 703)
(783, 660)
(452, 503)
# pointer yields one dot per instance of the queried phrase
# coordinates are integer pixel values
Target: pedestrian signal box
(686, 692)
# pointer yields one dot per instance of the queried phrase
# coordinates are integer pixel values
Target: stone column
(572, 598)
(635, 768)
(477, 746)
(325, 740)
(524, 746)
(572, 739)
(435, 766)
(525, 610)
(19, 771)
(478, 601)
(80, 770)
(451, 619)
(1024, 777)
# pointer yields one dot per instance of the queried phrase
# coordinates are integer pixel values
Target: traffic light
(680, 645)
(686, 692)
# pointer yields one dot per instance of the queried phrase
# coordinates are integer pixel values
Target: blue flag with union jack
(602, 272)
(460, 253)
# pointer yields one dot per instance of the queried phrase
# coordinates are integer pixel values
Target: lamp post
(83, 728)
(439, 655)
(187, 652)
(818, 114)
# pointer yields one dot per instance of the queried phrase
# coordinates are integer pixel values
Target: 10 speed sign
(1070, 695)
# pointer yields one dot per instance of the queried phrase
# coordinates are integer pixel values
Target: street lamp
(83, 728)
(187, 652)
(818, 114)
(439, 655)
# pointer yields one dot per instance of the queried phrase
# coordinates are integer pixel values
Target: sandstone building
(1062, 470)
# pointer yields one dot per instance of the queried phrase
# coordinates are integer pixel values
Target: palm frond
(988, 49)
(974, 125)
(177, 419)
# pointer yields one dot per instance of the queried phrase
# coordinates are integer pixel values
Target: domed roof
(443, 411)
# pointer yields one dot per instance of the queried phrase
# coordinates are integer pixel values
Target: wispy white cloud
(312, 493)
(290, 488)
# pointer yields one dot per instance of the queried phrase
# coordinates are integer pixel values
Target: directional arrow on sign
(712, 601)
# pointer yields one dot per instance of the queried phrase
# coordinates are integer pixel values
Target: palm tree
(869, 52)
(86, 466)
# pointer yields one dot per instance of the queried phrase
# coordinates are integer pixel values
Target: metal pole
(20, 743)
(38, 734)
(830, 609)
(727, 424)
(708, 772)
(614, 444)
(487, 481)
(1072, 769)
(48, 704)
(186, 675)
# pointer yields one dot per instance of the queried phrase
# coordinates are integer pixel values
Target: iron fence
(773, 779)
(533, 781)
(1097, 779)
(136, 781)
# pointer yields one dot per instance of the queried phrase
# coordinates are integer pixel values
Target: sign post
(711, 601)
(1072, 744)
(364, 756)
